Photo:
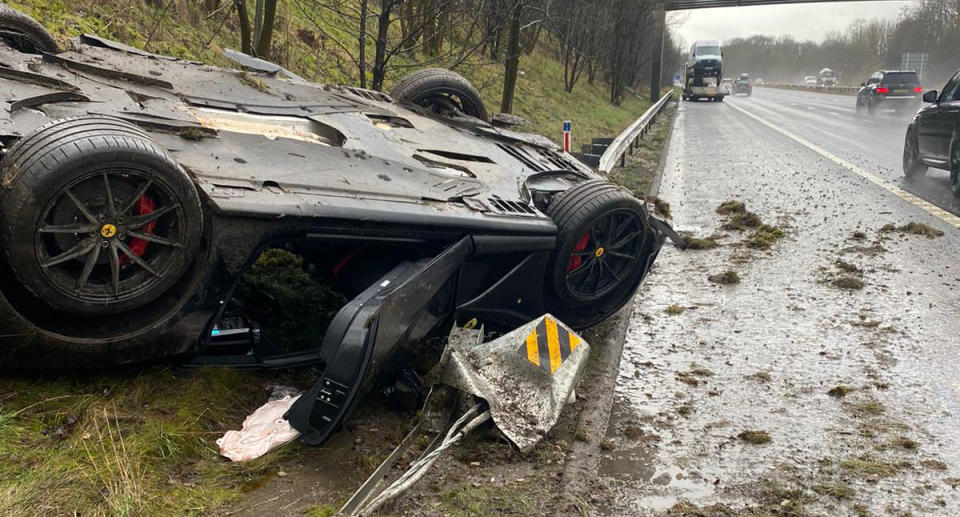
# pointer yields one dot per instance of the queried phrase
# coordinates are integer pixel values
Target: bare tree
(373, 22)
(576, 25)
(255, 39)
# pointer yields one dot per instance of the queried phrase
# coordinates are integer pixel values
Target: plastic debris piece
(263, 431)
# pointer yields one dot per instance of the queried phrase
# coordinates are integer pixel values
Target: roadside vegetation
(133, 442)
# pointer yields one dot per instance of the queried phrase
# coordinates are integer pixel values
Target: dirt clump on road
(754, 436)
(728, 277)
(764, 237)
(740, 219)
(661, 206)
(848, 282)
(759, 377)
(699, 243)
(847, 267)
(743, 221)
(913, 228)
(675, 310)
(731, 207)
(840, 391)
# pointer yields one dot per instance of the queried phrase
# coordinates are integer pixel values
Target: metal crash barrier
(626, 141)
(521, 381)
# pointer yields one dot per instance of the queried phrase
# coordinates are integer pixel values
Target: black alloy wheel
(604, 254)
(110, 236)
(97, 217)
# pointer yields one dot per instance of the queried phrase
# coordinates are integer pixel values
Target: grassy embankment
(142, 441)
(183, 30)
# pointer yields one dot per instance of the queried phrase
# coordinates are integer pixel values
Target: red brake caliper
(581, 245)
(145, 205)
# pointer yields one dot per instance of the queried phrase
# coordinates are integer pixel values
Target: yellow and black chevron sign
(549, 345)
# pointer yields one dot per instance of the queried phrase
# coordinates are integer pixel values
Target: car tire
(442, 91)
(589, 277)
(24, 33)
(97, 218)
(912, 166)
(871, 107)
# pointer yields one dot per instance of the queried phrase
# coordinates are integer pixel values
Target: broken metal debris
(521, 381)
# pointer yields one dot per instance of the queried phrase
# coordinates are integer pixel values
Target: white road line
(834, 113)
(811, 108)
(924, 205)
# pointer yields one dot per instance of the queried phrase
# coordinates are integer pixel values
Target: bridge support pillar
(656, 63)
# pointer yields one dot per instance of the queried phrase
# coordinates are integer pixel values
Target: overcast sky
(809, 21)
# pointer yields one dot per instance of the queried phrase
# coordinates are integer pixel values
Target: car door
(936, 124)
(402, 307)
(867, 89)
(948, 117)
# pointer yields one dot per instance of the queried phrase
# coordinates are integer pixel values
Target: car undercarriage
(157, 207)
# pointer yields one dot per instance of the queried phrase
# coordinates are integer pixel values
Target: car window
(899, 78)
(708, 51)
(951, 92)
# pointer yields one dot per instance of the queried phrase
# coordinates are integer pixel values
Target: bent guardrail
(627, 140)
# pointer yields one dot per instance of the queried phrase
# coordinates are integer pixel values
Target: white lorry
(704, 71)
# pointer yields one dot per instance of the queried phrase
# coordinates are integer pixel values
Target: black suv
(932, 139)
(742, 85)
(890, 89)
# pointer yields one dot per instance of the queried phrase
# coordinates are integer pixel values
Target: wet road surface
(873, 142)
(857, 389)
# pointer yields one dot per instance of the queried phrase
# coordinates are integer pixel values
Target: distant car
(810, 81)
(932, 138)
(727, 85)
(899, 90)
(827, 78)
(742, 87)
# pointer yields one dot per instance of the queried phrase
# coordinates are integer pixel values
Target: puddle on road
(639, 464)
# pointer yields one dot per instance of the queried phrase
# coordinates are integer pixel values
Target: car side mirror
(930, 96)
(863, 83)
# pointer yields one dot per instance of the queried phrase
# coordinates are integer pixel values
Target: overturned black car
(139, 190)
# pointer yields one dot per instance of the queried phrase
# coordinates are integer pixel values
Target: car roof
(898, 71)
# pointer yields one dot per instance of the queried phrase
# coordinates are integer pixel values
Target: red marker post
(566, 136)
